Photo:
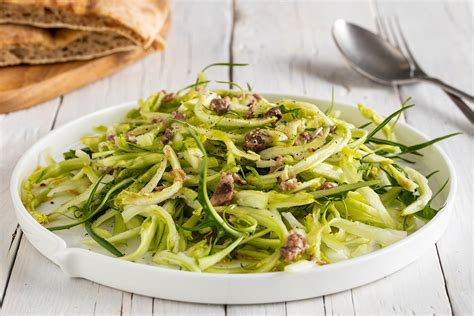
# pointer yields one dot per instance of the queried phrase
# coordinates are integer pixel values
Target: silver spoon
(378, 60)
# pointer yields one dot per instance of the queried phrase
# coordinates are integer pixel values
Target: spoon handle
(448, 88)
(465, 109)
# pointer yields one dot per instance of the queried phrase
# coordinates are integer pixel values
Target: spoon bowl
(370, 54)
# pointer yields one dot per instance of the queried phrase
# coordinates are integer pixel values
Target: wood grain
(15, 138)
(290, 50)
(451, 37)
(174, 68)
(24, 86)
(299, 57)
(27, 85)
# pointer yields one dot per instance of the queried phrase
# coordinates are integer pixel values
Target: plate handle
(69, 261)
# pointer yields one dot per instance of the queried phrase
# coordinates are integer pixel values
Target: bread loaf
(138, 20)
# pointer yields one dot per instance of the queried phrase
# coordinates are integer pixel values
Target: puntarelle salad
(225, 181)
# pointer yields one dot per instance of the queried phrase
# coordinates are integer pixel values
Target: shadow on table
(339, 74)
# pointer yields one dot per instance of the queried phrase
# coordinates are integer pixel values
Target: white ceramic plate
(64, 249)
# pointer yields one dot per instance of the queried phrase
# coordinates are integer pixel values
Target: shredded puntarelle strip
(229, 182)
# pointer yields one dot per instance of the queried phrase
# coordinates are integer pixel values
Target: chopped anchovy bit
(327, 185)
(274, 112)
(224, 191)
(130, 137)
(223, 181)
(288, 185)
(169, 97)
(167, 136)
(257, 140)
(220, 106)
(295, 246)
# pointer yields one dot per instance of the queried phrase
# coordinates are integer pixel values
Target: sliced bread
(21, 44)
(138, 20)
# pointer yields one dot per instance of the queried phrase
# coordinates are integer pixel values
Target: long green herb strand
(226, 181)
(386, 121)
(101, 241)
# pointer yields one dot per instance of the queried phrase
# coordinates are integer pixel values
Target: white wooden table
(290, 49)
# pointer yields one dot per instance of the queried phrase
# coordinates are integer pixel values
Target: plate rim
(20, 210)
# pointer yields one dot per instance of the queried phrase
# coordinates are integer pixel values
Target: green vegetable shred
(225, 181)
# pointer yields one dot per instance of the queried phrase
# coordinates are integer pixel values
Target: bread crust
(26, 44)
(138, 20)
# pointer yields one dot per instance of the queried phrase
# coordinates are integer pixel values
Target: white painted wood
(306, 307)
(134, 304)
(199, 36)
(171, 308)
(108, 301)
(17, 132)
(402, 293)
(298, 55)
(37, 286)
(339, 303)
(289, 47)
(444, 49)
(177, 67)
(275, 309)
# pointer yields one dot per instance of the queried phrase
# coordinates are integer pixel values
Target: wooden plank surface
(451, 37)
(177, 67)
(25, 86)
(289, 47)
(299, 56)
(15, 137)
(28, 85)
